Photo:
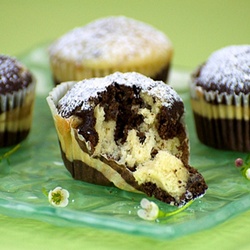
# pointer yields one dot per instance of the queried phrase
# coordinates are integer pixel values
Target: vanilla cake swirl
(126, 130)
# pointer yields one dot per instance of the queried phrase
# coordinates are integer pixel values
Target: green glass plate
(37, 165)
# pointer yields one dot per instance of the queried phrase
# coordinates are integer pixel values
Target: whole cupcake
(220, 91)
(17, 93)
(108, 45)
(126, 130)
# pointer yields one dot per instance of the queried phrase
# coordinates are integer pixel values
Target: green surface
(37, 165)
(196, 28)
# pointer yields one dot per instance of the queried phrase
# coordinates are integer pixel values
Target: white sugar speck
(227, 69)
(81, 92)
(107, 39)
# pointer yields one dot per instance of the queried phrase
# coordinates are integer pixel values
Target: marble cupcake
(128, 131)
(108, 45)
(220, 91)
(17, 94)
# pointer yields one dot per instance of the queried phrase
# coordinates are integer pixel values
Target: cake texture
(126, 130)
(17, 93)
(111, 44)
(220, 91)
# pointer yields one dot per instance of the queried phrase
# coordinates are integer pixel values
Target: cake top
(112, 39)
(13, 75)
(226, 70)
(80, 94)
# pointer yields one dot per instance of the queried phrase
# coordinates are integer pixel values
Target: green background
(196, 29)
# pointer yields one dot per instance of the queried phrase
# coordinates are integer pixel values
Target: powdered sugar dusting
(81, 92)
(227, 70)
(108, 38)
(13, 75)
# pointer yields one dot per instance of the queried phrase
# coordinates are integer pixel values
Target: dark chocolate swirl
(13, 75)
(226, 71)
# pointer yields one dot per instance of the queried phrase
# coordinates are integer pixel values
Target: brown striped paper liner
(16, 115)
(76, 158)
(222, 120)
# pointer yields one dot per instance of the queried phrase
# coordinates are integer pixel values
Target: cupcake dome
(220, 99)
(108, 45)
(13, 76)
(226, 71)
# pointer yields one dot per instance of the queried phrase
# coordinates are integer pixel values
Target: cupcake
(128, 131)
(17, 91)
(108, 45)
(220, 91)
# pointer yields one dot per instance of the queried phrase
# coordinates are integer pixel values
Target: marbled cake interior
(131, 130)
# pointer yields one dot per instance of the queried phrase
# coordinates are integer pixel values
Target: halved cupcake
(126, 130)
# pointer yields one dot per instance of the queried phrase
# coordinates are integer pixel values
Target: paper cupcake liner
(68, 71)
(74, 157)
(222, 121)
(16, 115)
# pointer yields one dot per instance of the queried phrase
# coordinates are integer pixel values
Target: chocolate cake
(126, 130)
(220, 99)
(17, 89)
(110, 44)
